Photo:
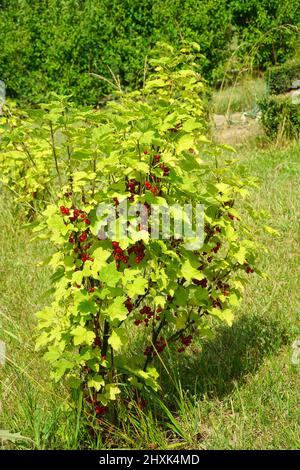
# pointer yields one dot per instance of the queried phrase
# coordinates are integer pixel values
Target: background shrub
(280, 79)
(280, 117)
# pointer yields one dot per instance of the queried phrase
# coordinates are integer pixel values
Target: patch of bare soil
(237, 129)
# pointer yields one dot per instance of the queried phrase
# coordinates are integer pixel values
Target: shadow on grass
(227, 359)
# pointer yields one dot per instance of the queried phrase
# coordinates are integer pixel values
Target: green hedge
(53, 45)
(280, 79)
(280, 117)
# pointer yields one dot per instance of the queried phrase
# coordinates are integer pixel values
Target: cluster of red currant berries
(77, 214)
(148, 314)
(160, 345)
(154, 190)
(165, 169)
(99, 409)
(120, 255)
(186, 341)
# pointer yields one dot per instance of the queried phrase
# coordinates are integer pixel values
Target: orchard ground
(240, 390)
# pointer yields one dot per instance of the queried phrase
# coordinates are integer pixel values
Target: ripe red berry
(64, 210)
(86, 221)
(85, 257)
(92, 289)
(83, 237)
(101, 410)
(137, 322)
(115, 245)
(76, 213)
(157, 157)
(154, 190)
(147, 185)
(128, 304)
(71, 239)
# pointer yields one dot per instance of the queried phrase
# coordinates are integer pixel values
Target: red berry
(128, 304)
(101, 410)
(157, 157)
(83, 237)
(71, 239)
(76, 213)
(64, 210)
(86, 221)
(115, 245)
(180, 350)
(92, 289)
(147, 185)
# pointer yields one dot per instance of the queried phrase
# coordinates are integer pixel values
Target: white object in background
(2, 353)
(295, 97)
(296, 352)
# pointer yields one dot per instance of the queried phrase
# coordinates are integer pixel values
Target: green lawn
(240, 390)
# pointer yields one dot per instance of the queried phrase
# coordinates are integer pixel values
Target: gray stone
(295, 97)
(296, 84)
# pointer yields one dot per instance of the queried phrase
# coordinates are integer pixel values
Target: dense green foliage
(280, 79)
(280, 117)
(53, 45)
(267, 29)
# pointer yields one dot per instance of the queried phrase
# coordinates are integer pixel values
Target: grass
(240, 391)
(239, 97)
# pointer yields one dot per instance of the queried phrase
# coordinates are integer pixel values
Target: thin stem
(154, 339)
(105, 338)
(55, 154)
